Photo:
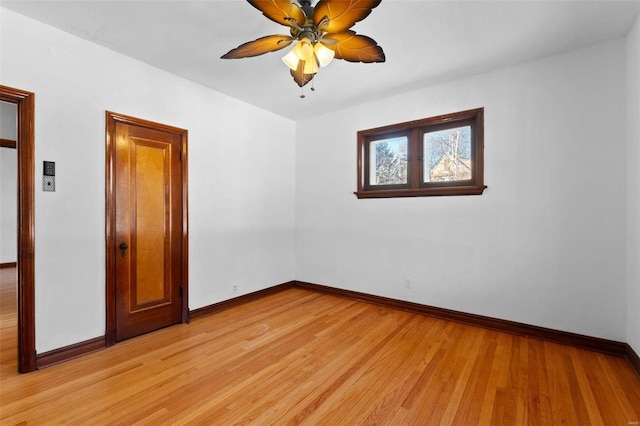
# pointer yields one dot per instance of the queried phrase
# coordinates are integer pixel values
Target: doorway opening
(25, 145)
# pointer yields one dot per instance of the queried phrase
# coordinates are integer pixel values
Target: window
(434, 156)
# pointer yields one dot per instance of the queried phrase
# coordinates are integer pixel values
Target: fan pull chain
(302, 95)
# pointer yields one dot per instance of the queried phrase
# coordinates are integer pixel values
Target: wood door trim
(26, 225)
(110, 211)
(8, 143)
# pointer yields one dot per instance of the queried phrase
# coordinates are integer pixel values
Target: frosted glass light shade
(311, 66)
(324, 54)
(303, 49)
(291, 59)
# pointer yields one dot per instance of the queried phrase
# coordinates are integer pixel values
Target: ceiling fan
(321, 33)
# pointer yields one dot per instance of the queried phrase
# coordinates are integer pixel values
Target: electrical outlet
(234, 288)
(408, 283)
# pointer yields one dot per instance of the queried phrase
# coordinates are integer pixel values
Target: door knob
(123, 248)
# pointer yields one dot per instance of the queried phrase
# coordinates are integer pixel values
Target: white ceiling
(425, 42)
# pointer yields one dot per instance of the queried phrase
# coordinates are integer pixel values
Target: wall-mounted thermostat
(49, 176)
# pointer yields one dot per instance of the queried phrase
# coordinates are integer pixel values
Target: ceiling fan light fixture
(324, 54)
(310, 55)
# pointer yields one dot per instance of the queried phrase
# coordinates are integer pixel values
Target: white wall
(9, 210)
(633, 187)
(546, 243)
(8, 121)
(241, 170)
(8, 185)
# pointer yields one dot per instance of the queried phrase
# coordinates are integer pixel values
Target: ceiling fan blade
(299, 76)
(258, 47)
(342, 14)
(280, 11)
(353, 47)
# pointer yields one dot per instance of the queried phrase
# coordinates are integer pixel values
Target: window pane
(388, 161)
(447, 155)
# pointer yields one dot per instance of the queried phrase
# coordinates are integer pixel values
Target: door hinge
(181, 155)
(181, 289)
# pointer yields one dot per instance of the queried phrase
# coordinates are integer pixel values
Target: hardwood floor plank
(585, 388)
(381, 370)
(503, 405)
(540, 411)
(336, 388)
(300, 357)
(491, 387)
(522, 414)
(473, 398)
(559, 386)
(447, 405)
(628, 400)
(606, 402)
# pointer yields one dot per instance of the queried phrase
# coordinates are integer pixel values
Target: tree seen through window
(390, 161)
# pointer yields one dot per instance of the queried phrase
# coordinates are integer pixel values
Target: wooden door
(148, 235)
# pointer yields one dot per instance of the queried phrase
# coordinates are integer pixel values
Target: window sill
(422, 192)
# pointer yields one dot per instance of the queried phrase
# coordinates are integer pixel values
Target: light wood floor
(299, 357)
